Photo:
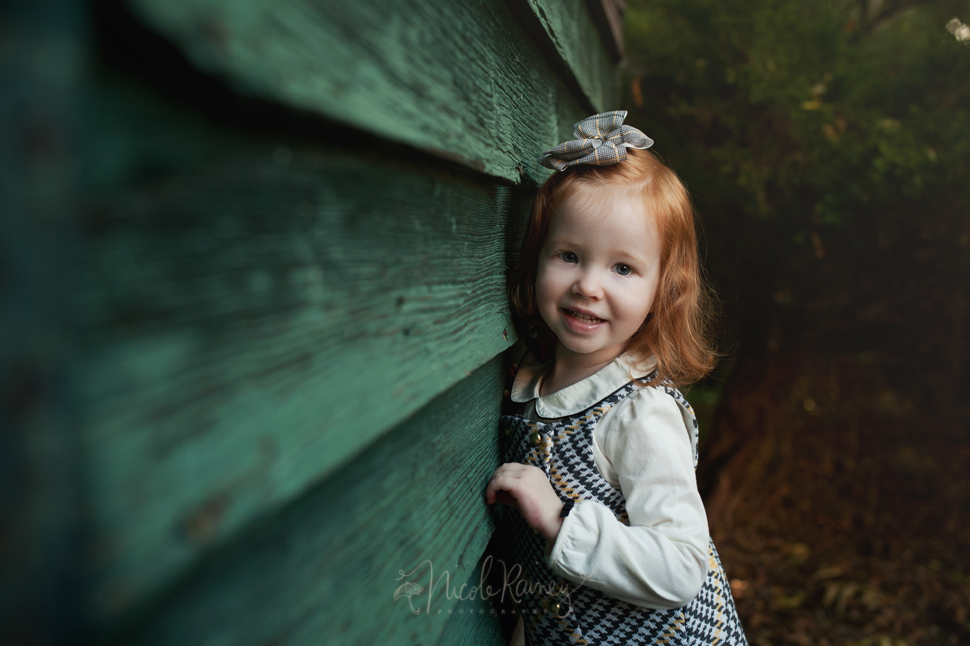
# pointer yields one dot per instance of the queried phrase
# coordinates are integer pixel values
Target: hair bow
(601, 140)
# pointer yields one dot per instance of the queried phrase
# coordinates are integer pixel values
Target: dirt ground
(837, 491)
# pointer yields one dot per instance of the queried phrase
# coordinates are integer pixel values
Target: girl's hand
(527, 488)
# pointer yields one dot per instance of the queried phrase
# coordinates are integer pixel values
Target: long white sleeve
(661, 559)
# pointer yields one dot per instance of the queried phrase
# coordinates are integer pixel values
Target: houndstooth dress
(557, 611)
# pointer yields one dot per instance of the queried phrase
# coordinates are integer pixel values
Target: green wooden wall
(253, 306)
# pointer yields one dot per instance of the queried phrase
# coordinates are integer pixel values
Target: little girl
(600, 449)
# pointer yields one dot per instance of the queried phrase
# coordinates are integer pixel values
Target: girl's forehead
(620, 226)
(608, 208)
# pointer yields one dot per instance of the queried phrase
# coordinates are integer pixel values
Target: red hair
(676, 332)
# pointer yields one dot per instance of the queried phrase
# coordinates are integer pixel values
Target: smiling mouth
(585, 318)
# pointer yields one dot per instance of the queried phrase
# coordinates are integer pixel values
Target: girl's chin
(586, 354)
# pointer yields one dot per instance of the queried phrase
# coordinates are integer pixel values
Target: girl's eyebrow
(563, 241)
(632, 257)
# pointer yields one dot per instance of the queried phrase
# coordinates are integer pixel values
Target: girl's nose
(588, 285)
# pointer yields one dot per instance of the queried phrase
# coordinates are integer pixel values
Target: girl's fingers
(527, 488)
(503, 480)
(517, 485)
(502, 476)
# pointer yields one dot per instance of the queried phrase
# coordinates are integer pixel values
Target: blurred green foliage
(807, 110)
(827, 146)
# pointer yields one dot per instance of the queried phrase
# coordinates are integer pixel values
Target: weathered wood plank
(42, 60)
(574, 40)
(325, 569)
(485, 619)
(254, 315)
(461, 80)
(473, 623)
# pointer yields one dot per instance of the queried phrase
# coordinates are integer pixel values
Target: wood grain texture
(472, 625)
(254, 314)
(473, 621)
(461, 80)
(571, 36)
(326, 568)
(255, 324)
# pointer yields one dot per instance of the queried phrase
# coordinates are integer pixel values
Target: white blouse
(642, 446)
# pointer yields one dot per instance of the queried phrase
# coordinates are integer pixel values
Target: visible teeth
(583, 316)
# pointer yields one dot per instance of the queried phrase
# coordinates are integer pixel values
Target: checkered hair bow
(601, 140)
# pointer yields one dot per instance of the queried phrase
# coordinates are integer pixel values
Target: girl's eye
(623, 270)
(568, 256)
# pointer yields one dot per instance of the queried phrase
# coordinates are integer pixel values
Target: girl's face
(597, 277)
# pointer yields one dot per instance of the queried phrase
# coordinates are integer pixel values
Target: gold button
(551, 605)
(535, 438)
(506, 430)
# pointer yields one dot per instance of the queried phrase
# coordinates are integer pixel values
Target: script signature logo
(408, 589)
(512, 584)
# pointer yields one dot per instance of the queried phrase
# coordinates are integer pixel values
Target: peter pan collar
(582, 394)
